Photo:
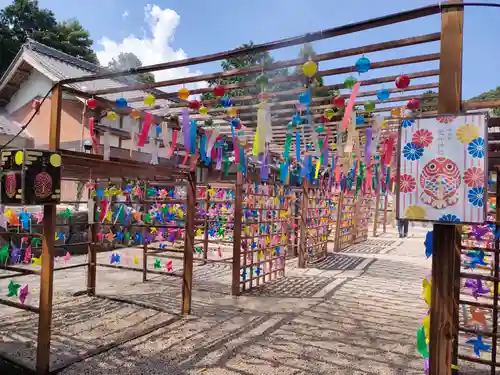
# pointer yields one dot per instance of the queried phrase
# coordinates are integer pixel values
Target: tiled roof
(59, 65)
(11, 127)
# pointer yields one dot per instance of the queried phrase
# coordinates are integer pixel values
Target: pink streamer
(172, 145)
(350, 105)
(143, 137)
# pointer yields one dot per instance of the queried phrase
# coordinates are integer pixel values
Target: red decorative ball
(219, 91)
(403, 81)
(92, 103)
(194, 104)
(413, 104)
(338, 102)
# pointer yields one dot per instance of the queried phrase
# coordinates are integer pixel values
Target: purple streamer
(219, 158)
(264, 170)
(368, 145)
(185, 128)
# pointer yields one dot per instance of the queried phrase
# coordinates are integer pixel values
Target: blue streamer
(203, 153)
(243, 161)
(283, 172)
(297, 146)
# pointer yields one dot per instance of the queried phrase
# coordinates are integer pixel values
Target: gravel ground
(355, 313)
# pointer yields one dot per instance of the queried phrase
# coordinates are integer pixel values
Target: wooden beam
(278, 65)
(49, 228)
(238, 217)
(446, 238)
(322, 73)
(283, 43)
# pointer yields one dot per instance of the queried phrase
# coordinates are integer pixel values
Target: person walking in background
(403, 228)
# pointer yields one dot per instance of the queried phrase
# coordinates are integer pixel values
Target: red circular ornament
(42, 185)
(10, 184)
(413, 104)
(194, 104)
(219, 91)
(403, 81)
(92, 103)
(338, 102)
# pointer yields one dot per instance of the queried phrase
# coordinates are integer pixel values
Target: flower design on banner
(450, 218)
(474, 177)
(407, 123)
(422, 138)
(476, 196)
(476, 148)
(467, 132)
(415, 212)
(407, 183)
(445, 119)
(412, 152)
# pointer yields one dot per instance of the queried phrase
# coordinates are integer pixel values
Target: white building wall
(35, 85)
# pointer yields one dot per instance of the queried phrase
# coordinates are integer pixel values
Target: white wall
(35, 85)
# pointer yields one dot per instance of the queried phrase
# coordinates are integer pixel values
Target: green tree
(24, 19)
(128, 60)
(246, 61)
(429, 101)
(489, 95)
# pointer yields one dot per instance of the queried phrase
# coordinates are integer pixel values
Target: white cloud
(154, 47)
(125, 14)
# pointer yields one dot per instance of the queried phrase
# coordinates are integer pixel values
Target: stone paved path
(354, 313)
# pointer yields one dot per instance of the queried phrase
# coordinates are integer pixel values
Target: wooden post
(338, 230)
(375, 217)
(386, 205)
(144, 230)
(238, 217)
(296, 230)
(205, 236)
(446, 238)
(304, 207)
(49, 228)
(187, 284)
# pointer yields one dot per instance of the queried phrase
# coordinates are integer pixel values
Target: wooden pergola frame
(446, 258)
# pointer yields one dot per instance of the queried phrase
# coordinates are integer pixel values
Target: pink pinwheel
(23, 293)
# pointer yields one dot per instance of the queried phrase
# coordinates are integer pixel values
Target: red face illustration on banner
(440, 180)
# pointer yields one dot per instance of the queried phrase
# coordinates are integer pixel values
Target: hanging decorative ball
(91, 103)
(338, 102)
(384, 124)
(194, 104)
(149, 99)
(111, 115)
(226, 101)
(403, 81)
(362, 65)
(383, 94)
(305, 98)
(262, 79)
(360, 120)
(309, 68)
(158, 130)
(236, 123)
(219, 91)
(296, 119)
(329, 113)
(369, 106)
(396, 112)
(135, 114)
(413, 104)
(231, 111)
(183, 93)
(349, 82)
(121, 103)
(203, 110)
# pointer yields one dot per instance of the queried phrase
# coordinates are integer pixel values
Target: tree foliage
(490, 95)
(24, 19)
(249, 60)
(128, 60)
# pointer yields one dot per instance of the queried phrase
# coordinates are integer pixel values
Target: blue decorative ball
(360, 120)
(362, 65)
(121, 103)
(296, 119)
(383, 94)
(226, 101)
(236, 123)
(304, 98)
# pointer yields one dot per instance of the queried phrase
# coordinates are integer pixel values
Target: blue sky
(195, 27)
